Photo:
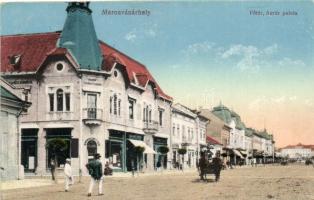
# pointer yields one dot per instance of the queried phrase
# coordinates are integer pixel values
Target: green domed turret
(79, 36)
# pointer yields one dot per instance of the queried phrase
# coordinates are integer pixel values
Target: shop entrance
(64, 153)
(29, 149)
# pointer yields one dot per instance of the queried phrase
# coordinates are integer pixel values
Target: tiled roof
(132, 67)
(34, 49)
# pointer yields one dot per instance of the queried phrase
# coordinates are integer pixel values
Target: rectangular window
(173, 130)
(150, 116)
(51, 102)
(59, 100)
(131, 109)
(110, 106)
(160, 117)
(115, 104)
(67, 101)
(91, 106)
(119, 107)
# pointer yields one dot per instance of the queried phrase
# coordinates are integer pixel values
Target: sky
(203, 53)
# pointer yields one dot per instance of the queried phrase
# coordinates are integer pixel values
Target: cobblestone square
(293, 182)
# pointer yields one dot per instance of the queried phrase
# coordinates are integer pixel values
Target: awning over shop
(148, 149)
(236, 152)
(243, 152)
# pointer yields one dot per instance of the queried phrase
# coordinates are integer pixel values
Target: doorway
(29, 149)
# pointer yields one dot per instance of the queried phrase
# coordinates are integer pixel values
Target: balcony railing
(150, 126)
(92, 116)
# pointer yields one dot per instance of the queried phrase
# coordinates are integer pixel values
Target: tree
(57, 147)
(182, 151)
(138, 150)
(163, 150)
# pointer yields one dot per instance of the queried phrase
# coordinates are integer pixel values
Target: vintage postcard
(147, 100)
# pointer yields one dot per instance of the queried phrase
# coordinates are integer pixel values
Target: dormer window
(15, 60)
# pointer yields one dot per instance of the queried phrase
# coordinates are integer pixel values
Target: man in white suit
(68, 174)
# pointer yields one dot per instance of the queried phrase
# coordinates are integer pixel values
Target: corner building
(83, 90)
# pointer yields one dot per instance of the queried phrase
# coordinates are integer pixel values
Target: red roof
(212, 140)
(34, 49)
(133, 67)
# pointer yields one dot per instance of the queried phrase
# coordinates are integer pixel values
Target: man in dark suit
(96, 172)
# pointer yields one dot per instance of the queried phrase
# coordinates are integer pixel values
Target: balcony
(92, 116)
(150, 126)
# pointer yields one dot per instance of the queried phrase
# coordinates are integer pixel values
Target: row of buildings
(297, 152)
(71, 85)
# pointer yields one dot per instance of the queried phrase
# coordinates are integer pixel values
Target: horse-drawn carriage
(207, 165)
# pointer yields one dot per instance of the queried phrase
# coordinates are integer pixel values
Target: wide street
(293, 182)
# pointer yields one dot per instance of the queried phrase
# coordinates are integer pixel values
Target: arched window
(59, 100)
(91, 148)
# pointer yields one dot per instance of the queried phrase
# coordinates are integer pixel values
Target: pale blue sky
(203, 52)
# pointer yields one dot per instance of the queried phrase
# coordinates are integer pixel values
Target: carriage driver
(202, 165)
(217, 165)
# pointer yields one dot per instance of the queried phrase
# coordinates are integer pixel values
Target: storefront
(159, 159)
(63, 153)
(29, 149)
(121, 153)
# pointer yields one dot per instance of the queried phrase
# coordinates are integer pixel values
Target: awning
(236, 152)
(243, 152)
(139, 143)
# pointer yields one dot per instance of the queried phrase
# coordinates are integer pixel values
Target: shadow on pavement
(203, 181)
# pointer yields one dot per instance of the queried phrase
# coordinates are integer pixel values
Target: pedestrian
(95, 171)
(52, 168)
(202, 165)
(68, 174)
(108, 169)
(158, 165)
(217, 165)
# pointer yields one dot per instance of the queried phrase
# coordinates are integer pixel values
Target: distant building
(217, 128)
(13, 104)
(237, 132)
(299, 151)
(189, 132)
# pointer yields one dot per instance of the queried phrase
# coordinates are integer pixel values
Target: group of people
(95, 171)
(205, 167)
